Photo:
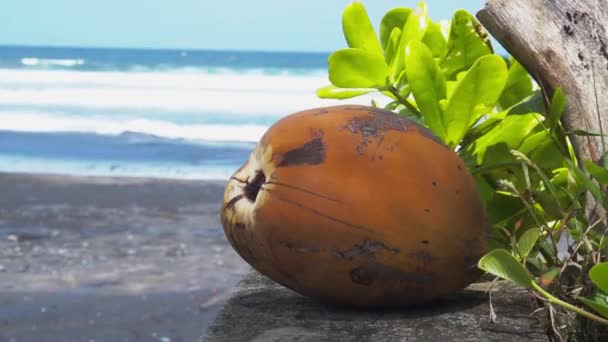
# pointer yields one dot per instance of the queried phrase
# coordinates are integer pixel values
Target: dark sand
(111, 259)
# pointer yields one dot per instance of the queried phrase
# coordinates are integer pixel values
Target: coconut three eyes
(357, 206)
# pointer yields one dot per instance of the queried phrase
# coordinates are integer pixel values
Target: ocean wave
(49, 62)
(194, 92)
(45, 122)
(189, 105)
(79, 64)
(104, 59)
(126, 154)
(176, 79)
(12, 163)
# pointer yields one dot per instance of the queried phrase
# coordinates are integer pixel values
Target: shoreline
(104, 179)
(111, 258)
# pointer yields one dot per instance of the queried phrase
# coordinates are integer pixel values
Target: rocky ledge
(263, 311)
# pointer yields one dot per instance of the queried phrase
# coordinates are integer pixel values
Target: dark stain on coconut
(232, 202)
(311, 153)
(297, 248)
(366, 249)
(320, 111)
(426, 242)
(423, 257)
(427, 210)
(362, 276)
(350, 108)
(379, 121)
(434, 183)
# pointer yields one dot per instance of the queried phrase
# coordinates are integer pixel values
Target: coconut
(357, 206)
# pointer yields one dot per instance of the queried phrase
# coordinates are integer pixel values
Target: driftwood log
(562, 43)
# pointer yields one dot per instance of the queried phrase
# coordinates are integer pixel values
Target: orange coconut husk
(357, 206)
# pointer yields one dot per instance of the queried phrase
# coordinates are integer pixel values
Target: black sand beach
(111, 259)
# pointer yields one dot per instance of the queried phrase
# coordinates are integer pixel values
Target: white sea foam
(222, 94)
(35, 100)
(112, 168)
(33, 61)
(24, 121)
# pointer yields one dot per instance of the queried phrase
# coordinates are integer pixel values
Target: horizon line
(92, 47)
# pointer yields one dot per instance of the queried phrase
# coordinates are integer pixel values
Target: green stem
(404, 101)
(567, 305)
(492, 167)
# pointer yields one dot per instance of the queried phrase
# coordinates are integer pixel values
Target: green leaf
(434, 39)
(503, 207)
(395, 18)
(416, 25)
(333, 92)
(475, 94)
(599, 173)
(427, 84)
(490, 121)
(542, 149)
(356, 68)
(511, 131)
(358, 29)
(502, 264)
(600, 307)
(599, 276)
(468, 41)
(550, 204)
(586, 182)
(392, 46)
(534, 141)
(558, 105)
(531, 104)
(518, 87)
(526, 242)
(414, 29)
(485, 189)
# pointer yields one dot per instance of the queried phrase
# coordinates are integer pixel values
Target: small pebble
(165, 339)
(43, 309)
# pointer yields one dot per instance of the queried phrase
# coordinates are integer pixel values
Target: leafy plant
(446, 76)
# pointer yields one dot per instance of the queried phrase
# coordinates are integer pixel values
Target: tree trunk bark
(562, 43)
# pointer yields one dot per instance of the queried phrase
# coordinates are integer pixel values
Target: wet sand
(111, 259)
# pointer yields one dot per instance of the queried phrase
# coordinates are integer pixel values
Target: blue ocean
(151, 113)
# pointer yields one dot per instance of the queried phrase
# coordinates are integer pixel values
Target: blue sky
(287, 25)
